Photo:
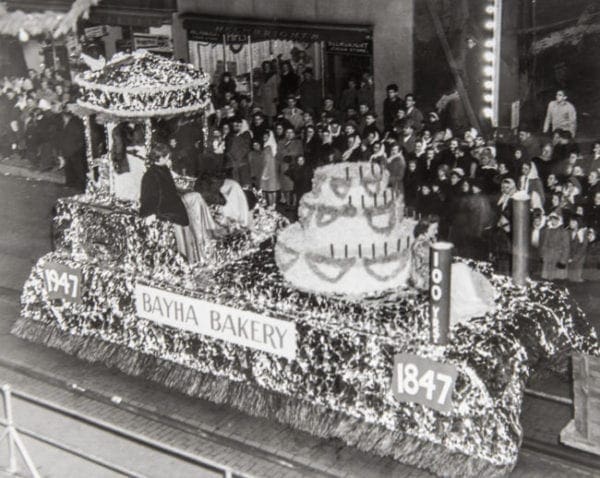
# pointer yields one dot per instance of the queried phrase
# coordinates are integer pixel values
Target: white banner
(218, 321)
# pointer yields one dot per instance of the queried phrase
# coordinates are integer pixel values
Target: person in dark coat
(289, 82)
(190, 144)
(310, 146)
(554, 248)
(301, 174)
(480, 221)
(577, 249)
(427, 202)
(310, 92)
(411, 182)
(159, 197)
(241, 143)
(391, 105)
(72, 150)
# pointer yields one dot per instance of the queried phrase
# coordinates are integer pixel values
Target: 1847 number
(424, 381)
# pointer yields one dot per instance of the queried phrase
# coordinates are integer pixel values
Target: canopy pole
(322, 69)
(225, 54)
(251, 61)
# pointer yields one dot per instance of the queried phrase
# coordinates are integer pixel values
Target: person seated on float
(236, 210)
(160, 200)
(471, 293)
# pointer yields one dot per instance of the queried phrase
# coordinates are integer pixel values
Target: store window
(251, 52)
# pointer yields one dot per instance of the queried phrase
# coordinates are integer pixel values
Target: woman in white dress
(236, 209)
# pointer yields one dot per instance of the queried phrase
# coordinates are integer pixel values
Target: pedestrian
(269, 181)
(554, 248)
(72, 150)
(577, 249)
(391, 105)
(238, 151)
(561, 115)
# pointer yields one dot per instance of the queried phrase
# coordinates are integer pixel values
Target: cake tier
(341, 183)
(381, 210)
(356, 263)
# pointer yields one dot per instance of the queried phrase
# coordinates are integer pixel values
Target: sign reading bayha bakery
(420, 380)
(218, 321)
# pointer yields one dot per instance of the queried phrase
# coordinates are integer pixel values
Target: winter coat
(577, 252)
(159, 196)
(287, 152)
(554, 251)
(238, 155)
(268, 94)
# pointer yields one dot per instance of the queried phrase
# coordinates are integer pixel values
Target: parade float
(311, 324)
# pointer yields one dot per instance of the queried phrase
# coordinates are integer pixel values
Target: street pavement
(251, 446)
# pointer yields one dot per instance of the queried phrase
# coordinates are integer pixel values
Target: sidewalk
(16, 166)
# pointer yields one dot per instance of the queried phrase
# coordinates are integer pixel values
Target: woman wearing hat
(554, 248)
(577, 249)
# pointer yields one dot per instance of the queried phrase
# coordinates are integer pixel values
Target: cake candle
(362, 200)
(347, 174)
(350, 199)
(373, 169)
(407, 242)
(346, 251)
(375, 200)
(385, 248)
(331, 249)
(398, 245)
(359, 251)
(373, 250)
(360, 172)
(384, 198)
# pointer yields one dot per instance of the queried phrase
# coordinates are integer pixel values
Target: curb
(52, 177)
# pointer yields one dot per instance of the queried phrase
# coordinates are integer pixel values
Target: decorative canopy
(141, 85)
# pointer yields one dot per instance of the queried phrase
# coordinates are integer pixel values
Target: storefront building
(339, 39)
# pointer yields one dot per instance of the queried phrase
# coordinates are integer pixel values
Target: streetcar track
(162, 419)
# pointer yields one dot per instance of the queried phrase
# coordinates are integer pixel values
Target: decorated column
(440, 263)
(521, 237)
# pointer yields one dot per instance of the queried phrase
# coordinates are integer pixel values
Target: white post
(14, 440)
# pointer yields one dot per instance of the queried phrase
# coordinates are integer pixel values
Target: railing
(12, 433)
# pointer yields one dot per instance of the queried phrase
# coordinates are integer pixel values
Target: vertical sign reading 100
(424, 381)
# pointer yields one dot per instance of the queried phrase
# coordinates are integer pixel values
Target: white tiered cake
(351, 238)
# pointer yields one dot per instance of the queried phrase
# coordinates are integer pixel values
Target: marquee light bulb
(489, 43)
(489, 25)
(490, 9)
(488, 85)
(488, 71)
(488, 112)
(488, 98)
(488, 56)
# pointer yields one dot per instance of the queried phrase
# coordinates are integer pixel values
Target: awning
(211, 29)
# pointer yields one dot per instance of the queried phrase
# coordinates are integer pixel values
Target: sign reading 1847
(420, 380)
(62, 282)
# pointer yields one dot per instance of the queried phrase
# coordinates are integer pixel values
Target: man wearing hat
(370, 127)
(310, 92)
(293, 114)
(329, 108)
(391, 105)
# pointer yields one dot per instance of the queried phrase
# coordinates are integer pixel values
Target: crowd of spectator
(442, 166)
(38, 125)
